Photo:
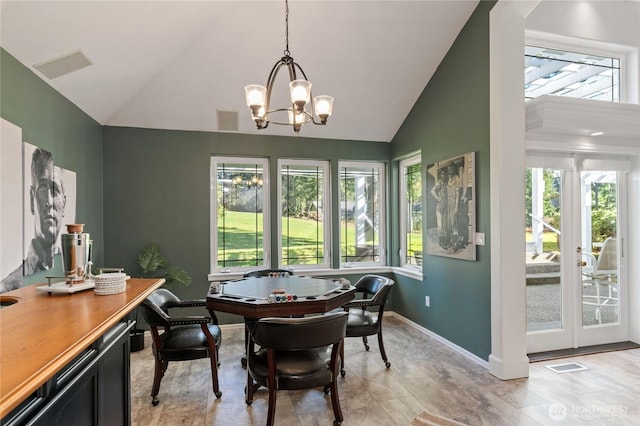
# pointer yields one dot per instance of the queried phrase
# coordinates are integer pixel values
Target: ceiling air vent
(227, 120)
(63, 65)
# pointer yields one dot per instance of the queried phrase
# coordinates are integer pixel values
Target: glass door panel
(543, 254)
(600, 262)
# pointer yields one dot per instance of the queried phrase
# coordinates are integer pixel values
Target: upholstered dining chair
(180, 338)
(365, 312)
(296, 353)
(265, 272)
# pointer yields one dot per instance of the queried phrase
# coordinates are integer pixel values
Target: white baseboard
(441, 339)
(410, 323)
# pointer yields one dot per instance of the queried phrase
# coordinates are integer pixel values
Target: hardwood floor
(424, 375)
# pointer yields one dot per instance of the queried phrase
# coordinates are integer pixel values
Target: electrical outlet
(427, 301)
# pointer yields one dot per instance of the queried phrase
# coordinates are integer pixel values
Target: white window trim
(402, 208)
(266, 221)
(327, 208)
(382, 237)
(629, 92)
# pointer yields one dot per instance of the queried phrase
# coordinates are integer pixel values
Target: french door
(576, 271)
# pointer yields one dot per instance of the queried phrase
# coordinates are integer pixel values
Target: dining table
(280, 296)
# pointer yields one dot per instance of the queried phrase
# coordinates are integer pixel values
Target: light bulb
(323, 105)
(300, 91)
(255, 95)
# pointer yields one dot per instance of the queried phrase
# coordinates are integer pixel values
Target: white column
(508, 359)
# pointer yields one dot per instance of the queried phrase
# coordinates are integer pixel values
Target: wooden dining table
(253, 298)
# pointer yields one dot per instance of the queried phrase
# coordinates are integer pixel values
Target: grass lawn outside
(240, 241)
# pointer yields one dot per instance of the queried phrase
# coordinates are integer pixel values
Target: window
(304, 213)
(577, 75)
(411, 212)
(239, 213)
(362, 221)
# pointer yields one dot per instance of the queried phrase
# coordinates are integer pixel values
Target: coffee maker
(76, 254)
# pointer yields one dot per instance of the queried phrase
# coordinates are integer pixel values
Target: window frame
(410, 160)
(626, 55)
(213, 205)
(327, 209)
(381, 207)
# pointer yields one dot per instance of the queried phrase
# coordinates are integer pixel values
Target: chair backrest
(300, 333)
(608, 259)
(265, 272)
(155, 307)
(376, 285)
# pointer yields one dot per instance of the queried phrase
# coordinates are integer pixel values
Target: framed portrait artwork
(37, 199)
(451, 212)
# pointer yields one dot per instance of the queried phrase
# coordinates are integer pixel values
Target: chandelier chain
(286, 26)
(304, 108)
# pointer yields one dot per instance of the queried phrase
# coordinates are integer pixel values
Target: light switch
(479, 238)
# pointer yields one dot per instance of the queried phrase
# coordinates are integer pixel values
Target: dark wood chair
(365, 313)
(180, 338)
(296, 353)
(265, 272)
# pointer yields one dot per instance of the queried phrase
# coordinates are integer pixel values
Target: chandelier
(259, 97)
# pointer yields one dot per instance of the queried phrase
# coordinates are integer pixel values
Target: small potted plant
(154, 264)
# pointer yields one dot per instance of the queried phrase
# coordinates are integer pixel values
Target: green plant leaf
(150, 259)
(177, 277)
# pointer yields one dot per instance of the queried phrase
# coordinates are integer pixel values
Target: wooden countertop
(42, 333)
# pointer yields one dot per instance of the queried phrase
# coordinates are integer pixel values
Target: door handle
(582, 263)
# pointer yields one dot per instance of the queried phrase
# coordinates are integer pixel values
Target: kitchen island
(65, 357)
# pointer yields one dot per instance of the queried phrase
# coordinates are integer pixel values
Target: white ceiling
(172, 64)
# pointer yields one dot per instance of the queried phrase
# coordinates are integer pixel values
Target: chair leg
(335, 402)
(382, 351)
(272, 406)
(250, 389)
(342, 371)
(366, 343)
(160, 368)
(213, 358)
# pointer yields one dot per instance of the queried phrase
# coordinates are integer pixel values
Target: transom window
(361, 213)
(564, 73)
(239, 222)
(304, 213)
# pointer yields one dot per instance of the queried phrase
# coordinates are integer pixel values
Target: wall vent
(63, 65)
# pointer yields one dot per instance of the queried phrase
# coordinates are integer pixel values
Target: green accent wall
(137, 186)
(156, 189)
(450, 118)
(52, 122)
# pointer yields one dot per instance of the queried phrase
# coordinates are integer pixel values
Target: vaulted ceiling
(174, 64)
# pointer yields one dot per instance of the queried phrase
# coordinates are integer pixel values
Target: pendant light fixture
(301, 110)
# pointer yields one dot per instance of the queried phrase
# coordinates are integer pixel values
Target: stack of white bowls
(110, 283)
